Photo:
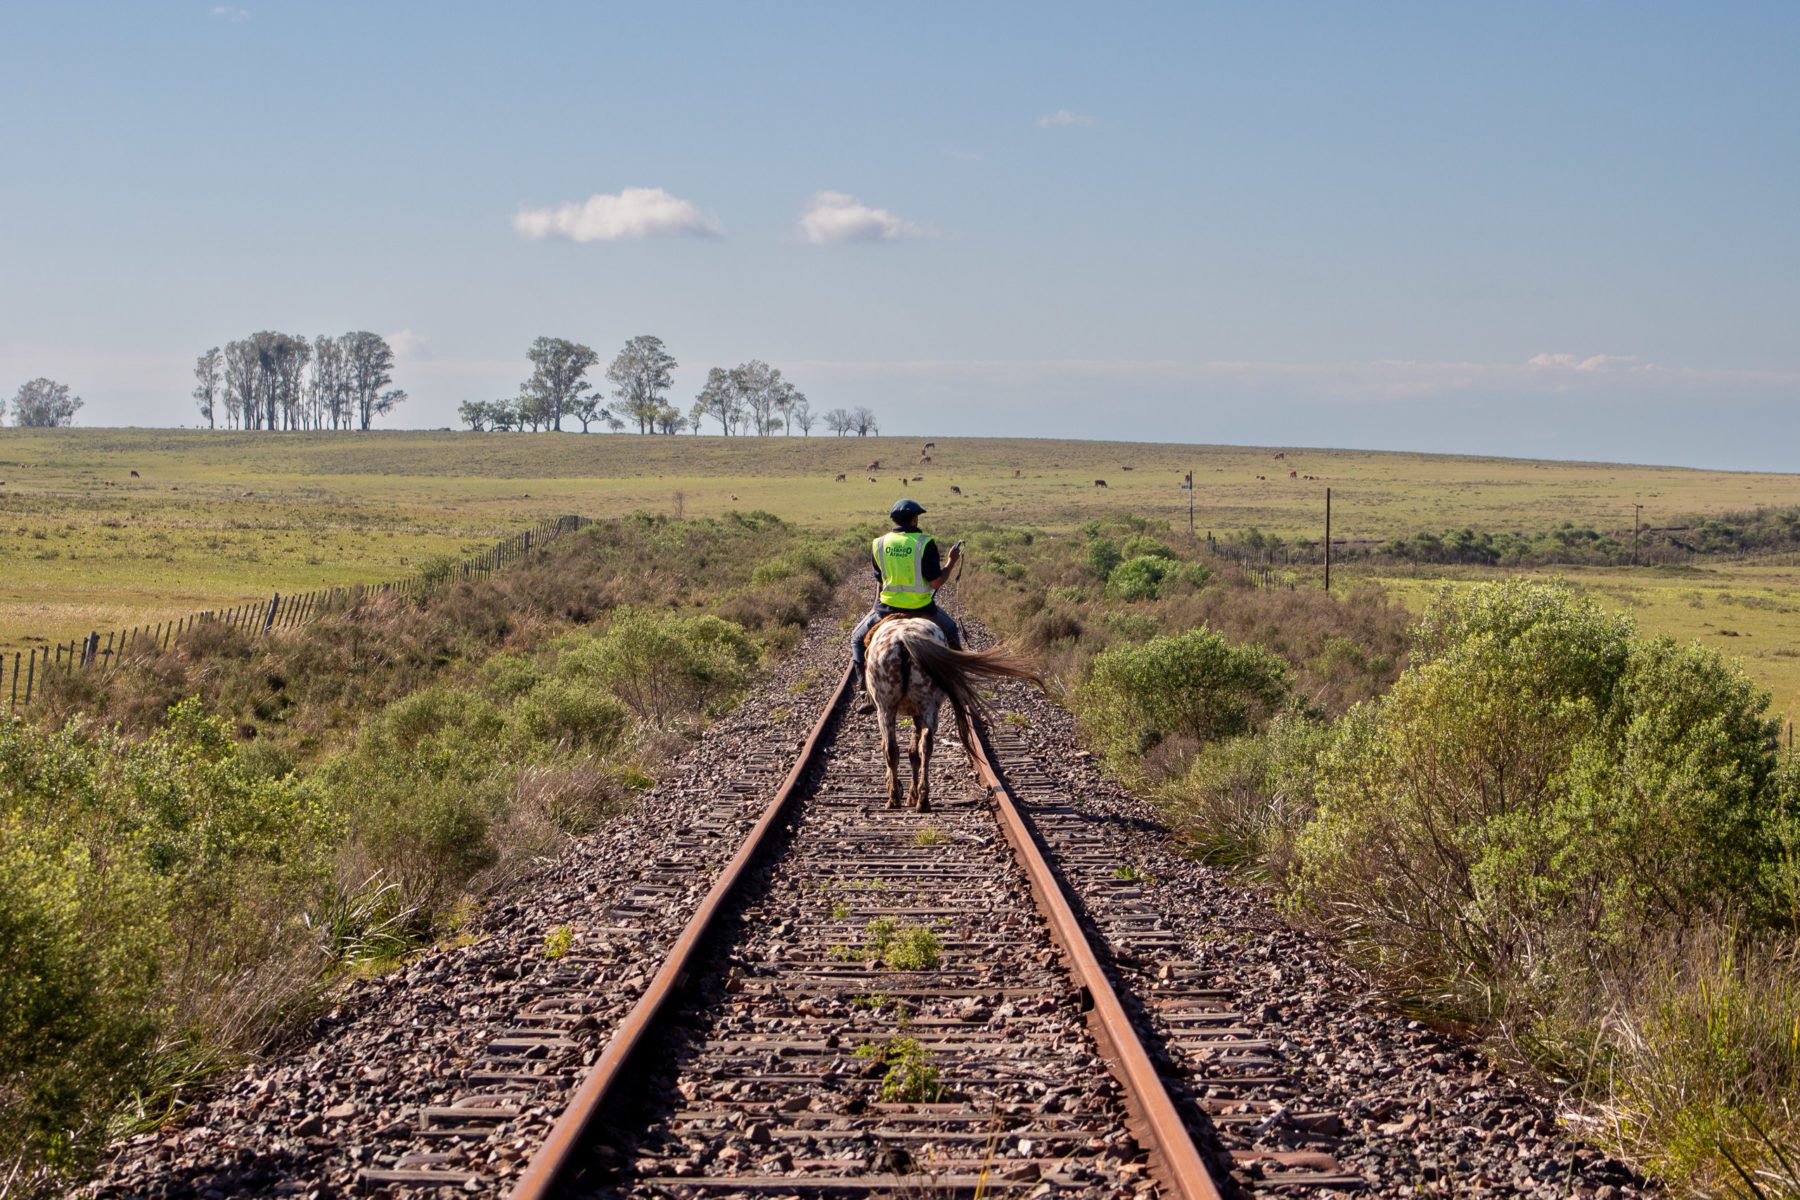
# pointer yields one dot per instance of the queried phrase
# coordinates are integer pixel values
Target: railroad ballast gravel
(1412, 1111)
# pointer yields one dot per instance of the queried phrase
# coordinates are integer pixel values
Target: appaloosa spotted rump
(911, 671)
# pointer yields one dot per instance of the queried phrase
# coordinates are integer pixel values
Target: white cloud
(230, 13)
(633, 213)
(406, 343)
(1062, 118)
(1574, 362)
(835, 217)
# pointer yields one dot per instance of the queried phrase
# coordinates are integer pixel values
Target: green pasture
(218, 518)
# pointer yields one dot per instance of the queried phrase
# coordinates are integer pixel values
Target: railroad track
(972, 1001)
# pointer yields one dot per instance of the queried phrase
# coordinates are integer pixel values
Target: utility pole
(1328, 539)
(1189, 485)
(1635, 510)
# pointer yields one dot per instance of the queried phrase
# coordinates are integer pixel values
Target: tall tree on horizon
(240, 384)
(44, 404)
(642, 372)
(207, 370)
(369, 365)
(329, 393)
(719, 400)
(558, 368)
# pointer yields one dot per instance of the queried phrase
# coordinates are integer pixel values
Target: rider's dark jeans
(859, 651)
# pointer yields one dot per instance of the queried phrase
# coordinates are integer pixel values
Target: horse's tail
(955, 671)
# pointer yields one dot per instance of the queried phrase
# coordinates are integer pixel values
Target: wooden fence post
(31, 675)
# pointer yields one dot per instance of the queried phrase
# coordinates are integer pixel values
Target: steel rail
(540, 1179)
(1185, 1171)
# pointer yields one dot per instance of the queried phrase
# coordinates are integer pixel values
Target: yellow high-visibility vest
(902, 580)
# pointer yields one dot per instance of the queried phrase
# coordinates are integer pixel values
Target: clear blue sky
(1566, 230)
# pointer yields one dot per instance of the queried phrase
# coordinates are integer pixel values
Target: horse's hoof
(924, 804)
(893, 804)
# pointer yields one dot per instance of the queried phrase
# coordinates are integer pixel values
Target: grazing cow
(840, 478)
(871, 479)
(918, 478)
(929, 446)
(955, 490)
(135, 475)
(241, 495)
(734, 495)
(924, 458)
(173, 488)
(1264, 478)
(1281, 454)
(1293, 475)
(1125, 468)
(1099, 483)
(874, 466)
(1015, 472)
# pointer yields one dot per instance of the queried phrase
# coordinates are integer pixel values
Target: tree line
(749, 399)
(43, 403)
(275, 380)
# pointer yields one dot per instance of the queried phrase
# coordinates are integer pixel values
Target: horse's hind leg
(890, 746)
(912, 754)
(921, 764)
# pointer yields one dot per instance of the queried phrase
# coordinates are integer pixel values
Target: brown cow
(1125, 468)
(871, 479)
(1099, 483)
(1281, 454)
(924, 458)
(135, 475)
(874, 466)
(955, 490)
(929, 446)
(1015, 472)
(840, 478)
(918, 478)
(1293, 475)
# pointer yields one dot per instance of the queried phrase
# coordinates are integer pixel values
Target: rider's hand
(956, 552)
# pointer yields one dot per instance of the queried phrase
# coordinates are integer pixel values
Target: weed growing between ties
(191, 843)
(902, 947)
(912, 1073)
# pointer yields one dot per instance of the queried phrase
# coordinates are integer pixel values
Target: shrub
(1243, 799)
(1101, 557)
(1542, 784)
(1138, 578)
(1144, 546)
(77, 990)
(570, 713)
(143, 890)
(1192, 684)
(665, 666)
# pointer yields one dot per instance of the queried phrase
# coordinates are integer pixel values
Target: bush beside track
(191, 845)
(1517, 810)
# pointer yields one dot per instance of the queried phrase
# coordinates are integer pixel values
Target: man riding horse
(908, 569)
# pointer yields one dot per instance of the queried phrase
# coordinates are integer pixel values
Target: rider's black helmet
(906, 508)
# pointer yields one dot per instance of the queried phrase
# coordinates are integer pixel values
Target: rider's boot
(865, 703)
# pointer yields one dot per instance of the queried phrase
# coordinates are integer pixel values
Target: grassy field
(221, 518)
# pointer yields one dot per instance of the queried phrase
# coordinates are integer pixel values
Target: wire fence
(29, 672)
